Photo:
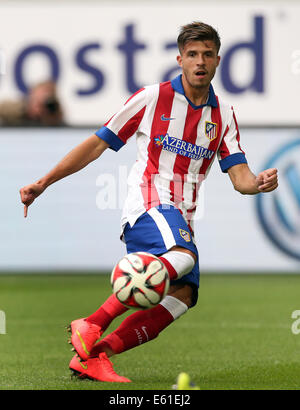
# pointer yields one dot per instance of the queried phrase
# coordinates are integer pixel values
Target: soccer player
(180, 126)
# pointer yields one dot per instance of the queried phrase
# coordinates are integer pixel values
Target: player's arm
(245, 182)
(114, 134)
(74, 161)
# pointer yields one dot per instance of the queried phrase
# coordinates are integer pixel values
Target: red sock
(138, 328)
(177, 263)
(110, 309)
(171, 270)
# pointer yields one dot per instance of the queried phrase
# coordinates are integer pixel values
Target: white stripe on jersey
(230, 137)
(167, 159)
(195, 165)
(128, 111)
(135, 200)
(175, 129)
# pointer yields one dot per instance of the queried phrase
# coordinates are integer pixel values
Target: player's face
(199, 61)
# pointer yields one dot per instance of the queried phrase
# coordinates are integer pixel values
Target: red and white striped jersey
(177, 143)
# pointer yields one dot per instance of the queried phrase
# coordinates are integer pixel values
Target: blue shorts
(157, 231)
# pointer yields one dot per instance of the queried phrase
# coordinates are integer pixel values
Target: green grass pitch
(238, 336)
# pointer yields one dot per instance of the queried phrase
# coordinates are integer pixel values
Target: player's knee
(185, 251)
(183, 293)
(187, 300)
(182, 261)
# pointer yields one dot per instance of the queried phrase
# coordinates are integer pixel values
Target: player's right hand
(29, 193)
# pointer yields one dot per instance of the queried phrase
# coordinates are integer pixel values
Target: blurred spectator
(41, 107)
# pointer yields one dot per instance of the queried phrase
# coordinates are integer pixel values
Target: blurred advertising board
(75, 224)
(100, 54)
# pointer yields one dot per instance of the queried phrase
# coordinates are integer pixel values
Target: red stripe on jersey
(181, 165)
(159, 128)
(188, 222)
(133, 95)
(131, 126)
(192, 209)
(213, 145)
(224, 151)
(237, 132)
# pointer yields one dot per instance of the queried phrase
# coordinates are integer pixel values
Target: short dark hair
(197, 31)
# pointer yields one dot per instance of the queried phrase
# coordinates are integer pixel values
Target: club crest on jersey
(211, 130)
(185, 235)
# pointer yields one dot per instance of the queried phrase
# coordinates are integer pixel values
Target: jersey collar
(178, 87)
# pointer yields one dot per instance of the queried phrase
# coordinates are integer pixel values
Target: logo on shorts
(211, 130)
(185, 235)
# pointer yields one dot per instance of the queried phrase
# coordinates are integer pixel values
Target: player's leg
(109, 310)
(178, 261)
(145, 325)
(86, 331)
(164, 233)
(139, 328)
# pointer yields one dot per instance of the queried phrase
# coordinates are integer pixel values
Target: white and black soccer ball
(140, 280)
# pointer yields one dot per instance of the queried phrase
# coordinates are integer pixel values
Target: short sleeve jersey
(177, 143)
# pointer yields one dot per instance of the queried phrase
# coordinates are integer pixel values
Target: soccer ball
(140, 280)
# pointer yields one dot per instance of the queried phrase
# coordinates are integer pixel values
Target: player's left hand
(267, 181)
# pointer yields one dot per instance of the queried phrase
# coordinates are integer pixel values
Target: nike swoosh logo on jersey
(163, 118)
